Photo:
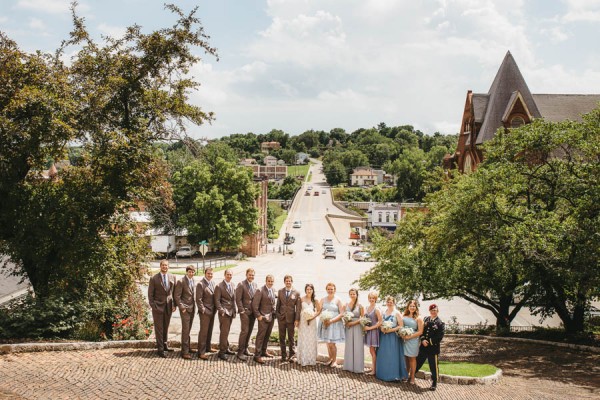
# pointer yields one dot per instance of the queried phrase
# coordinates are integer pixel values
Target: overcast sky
(297, 65)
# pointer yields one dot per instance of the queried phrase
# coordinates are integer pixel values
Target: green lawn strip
(278, 224)
(464, 369)
(295, 170)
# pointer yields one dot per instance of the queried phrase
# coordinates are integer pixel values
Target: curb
(151, 344)
(580, 347)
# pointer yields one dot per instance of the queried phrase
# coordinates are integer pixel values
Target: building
(270, 161)
(256, 244)
(266, 147)
(383, 215)
(365, 176)
(274, 170)
(509, 104)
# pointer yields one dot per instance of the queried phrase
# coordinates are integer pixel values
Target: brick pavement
(531, 372)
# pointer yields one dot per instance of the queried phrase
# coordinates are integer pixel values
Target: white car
(309, 247)
(362, 256)
(297, 224)
(327, 242)
(329, 252)
(185, 251)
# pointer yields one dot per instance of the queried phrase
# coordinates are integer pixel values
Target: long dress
(372, 336)
(390, 355)
(334, 333)
(354, 351)
(411, 346)
(306, 352)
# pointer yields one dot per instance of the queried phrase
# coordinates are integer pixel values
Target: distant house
(270, 161)
(272, 170)
(383, 215)
(509, 104)
(365, 176)
(266, 147)
(301, 158)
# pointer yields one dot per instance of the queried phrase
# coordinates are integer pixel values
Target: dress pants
(205, 335)
(247, 324)
(262, 337)
(187, 318)
(286, 328)
(224, 326)
(161, 327)
(432, 359)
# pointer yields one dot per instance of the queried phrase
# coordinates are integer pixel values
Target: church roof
(558, 107)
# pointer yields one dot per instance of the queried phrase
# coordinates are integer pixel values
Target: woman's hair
(330, 284)
(373, 293)
(356, 301)
(392, 298)
(312, 296)
(407, 311)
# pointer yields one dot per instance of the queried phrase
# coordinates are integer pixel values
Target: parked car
(297, 224)
(307, 193)
(327, 242)
(308, 247)
(289, 239)
(329, 252)
(316, 193)
(362, 256)
(185, 251)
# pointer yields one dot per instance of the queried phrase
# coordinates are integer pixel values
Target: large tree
(70, 234)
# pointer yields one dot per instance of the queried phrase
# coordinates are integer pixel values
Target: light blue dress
(391, 365)
(334, 333)
(411, 347)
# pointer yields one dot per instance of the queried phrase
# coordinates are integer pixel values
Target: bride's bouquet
(386, 326)
(308, 313)
(326, 315)
(405, 331)
(347, 317)
(364, 322)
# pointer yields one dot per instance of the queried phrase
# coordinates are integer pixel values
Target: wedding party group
(398, 343)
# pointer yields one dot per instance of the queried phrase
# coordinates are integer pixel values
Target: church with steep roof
(509, 104)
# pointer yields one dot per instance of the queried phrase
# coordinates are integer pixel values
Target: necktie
(165, 282)
(229, 288)
(271, 294)
(287, 294)
(212, 286)
(191, 282)
(251, 288)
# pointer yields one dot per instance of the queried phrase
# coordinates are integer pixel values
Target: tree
(70, 235)
(335, 173)
(215, 202)
(410, 171)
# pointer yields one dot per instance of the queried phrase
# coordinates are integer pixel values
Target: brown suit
(185, 300)
(160, 299)
(264, 305)
(288, 312)
(243, 301)
(225, 303)
(206, 309)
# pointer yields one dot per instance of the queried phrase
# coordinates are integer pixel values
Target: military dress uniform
(433, 333)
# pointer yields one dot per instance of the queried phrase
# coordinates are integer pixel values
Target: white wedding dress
(306, 352)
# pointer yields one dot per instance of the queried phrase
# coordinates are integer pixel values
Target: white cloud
(113, 31)
(582, 10)
(47, 6)
(36, 23)
(556, 34)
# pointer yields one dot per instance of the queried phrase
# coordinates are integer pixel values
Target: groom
(263, 307)
(433, 333)
(288, 315)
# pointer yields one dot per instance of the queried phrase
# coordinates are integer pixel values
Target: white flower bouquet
(326, 315)
(387, 325)
(405, 331)
(347, 317)
(364, 322)
(308, 314)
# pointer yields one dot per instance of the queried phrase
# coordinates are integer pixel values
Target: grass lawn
(295, 170)
(278, 223)
(463, 369)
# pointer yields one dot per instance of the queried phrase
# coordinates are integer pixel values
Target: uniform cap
(433, 306)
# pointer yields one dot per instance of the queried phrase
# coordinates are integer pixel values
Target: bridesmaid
(331, 331)
(390, 355)
(354, 352)
(372, 331)
(412, 320)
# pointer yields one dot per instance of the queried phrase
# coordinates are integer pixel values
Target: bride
(306, 353)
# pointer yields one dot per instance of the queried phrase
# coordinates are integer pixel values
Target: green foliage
(335, 173)
(286, 190)
(454, 368)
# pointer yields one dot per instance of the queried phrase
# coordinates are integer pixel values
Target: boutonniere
(293, 297)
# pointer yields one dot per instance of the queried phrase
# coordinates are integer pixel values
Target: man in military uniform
(433, 332)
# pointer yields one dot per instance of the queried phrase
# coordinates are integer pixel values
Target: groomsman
(205, 302)
(244, 293)
(288, 315)
(433, 333)
(185, 300)
(263, 307)
(225, 303)
(160, 298)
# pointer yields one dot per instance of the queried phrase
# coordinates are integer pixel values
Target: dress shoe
(258, 360)
(283, 356)
(247, 353)
(242, 357)
(162, 354)
(266, 355)
(433, 387)
(203, 357)
(229, 353)
(186, 357)
(222, 357)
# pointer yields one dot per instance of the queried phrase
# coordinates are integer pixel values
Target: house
(383, 215)
(270, 161)
(509, 104)
(365, 176)
(273, 170)
(301, 158)
(266, 147)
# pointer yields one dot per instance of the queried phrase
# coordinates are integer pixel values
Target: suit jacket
(224, 299)
(205, 299)
(288, 308)
(158, 296)
(433, 332)
(263, 305)
(243, 299)
(184, 296)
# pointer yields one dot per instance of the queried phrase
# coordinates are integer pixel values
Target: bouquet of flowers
(308, 313)
(364, 322)
(387, 325)
(326, 315)
(405, 331)
(347, 317)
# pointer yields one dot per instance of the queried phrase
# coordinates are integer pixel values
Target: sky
(297, 65)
